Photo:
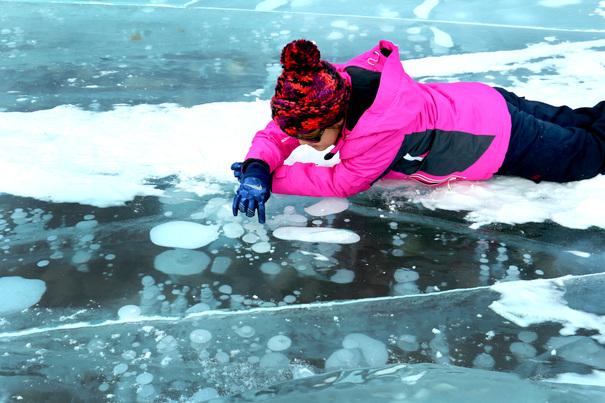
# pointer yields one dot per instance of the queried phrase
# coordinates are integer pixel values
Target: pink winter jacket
(433, 133)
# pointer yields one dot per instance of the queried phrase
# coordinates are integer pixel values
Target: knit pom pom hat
(310, 93)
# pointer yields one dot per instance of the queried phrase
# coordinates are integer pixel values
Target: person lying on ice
(386, 125)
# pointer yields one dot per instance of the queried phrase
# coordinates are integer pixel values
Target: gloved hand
(254, 190)
(236, 167)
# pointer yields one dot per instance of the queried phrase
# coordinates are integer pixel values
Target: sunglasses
(314, 139)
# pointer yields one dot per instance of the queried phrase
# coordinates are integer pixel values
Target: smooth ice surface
(119, 117)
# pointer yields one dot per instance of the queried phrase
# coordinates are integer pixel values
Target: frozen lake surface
(124, 276)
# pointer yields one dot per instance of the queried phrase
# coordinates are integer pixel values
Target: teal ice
(105, 302)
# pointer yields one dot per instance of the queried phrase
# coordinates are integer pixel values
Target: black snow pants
(554, 143)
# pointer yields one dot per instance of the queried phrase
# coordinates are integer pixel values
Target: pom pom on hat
(300, 57)
(310, 93)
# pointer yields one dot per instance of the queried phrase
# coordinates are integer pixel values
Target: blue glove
(236, 167)
(254, 191)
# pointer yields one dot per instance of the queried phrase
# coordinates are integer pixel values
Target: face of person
(328, 138)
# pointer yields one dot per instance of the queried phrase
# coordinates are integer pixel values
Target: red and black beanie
(310, 93)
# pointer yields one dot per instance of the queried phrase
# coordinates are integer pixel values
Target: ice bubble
(408, 342)
(261, 247)
(523, 350)
(374, 351)
(220, 265)
(343, 359)
(144, 378)
(167, 344)
(291, 217)
(274, 360)
(147, 281)
(484, 361)
(205, 395)
(43, 263)
(81, 257)
(87, 238)
(85, 225)
(527, 336)
(405, 275)
(95, 346)
(270, 268)
(279, 343)
(245, 331)
(316, 234)
(405, 289)
(222, 357)
(250, 238)
(129, 355)
(200, 336)
(120, 369)
(327, 206)
(233, 230)
(183, 234)
(182, 262)
(129, 312)
(289, 299)
(145, 392)
(18, 293)
(225, 289)
(18, 214)
(343, 276)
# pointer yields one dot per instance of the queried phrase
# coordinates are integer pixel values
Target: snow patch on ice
(270, 5)
(442, 38)
(43, 156)
(423, 10)
(531, 302)
(558, 3)
(596, 378)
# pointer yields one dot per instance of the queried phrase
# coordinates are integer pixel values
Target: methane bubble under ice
(313, 234)
(183, 234)
(327, 206)
(18, 293)
(129, 312)
(183, 262)
(279, 343)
